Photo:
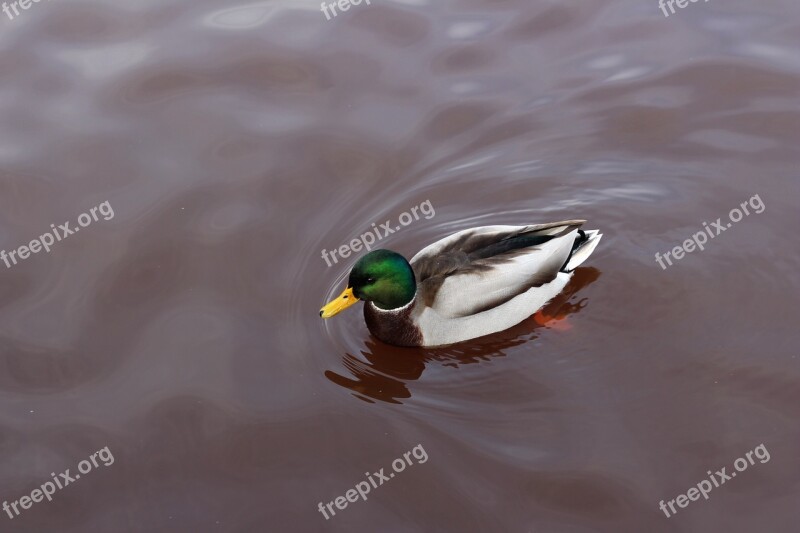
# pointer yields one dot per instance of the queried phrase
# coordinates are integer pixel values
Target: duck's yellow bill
(345, 300)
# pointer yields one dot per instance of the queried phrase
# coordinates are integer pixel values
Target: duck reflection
(384, 371)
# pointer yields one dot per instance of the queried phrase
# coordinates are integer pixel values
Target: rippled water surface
(235, 141)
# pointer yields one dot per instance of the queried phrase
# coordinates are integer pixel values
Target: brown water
(236, 141)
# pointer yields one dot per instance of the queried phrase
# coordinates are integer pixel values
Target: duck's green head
(382, 277)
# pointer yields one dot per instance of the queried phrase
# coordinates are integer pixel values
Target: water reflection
(384, 371)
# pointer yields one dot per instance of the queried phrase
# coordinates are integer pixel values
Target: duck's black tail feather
(584, 245)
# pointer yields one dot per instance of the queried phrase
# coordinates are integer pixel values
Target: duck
(473, 283)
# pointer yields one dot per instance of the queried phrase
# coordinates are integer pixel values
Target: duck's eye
(370, 280)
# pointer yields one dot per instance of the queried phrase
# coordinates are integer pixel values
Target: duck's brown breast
(393, 327)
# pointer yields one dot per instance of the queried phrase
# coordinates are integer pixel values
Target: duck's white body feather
(484, 280)
(438, 329)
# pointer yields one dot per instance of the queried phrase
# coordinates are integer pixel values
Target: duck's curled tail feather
(584, 245)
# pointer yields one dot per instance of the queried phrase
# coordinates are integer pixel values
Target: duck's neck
(399, 309)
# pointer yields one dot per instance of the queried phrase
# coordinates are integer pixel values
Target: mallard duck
(475, 282)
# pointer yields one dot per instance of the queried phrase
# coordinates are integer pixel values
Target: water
(237, 141)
